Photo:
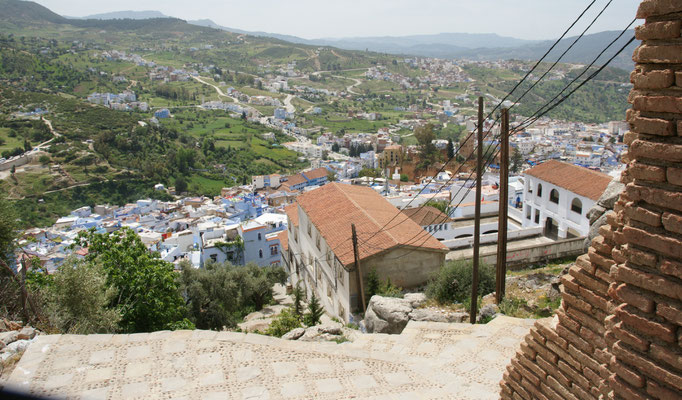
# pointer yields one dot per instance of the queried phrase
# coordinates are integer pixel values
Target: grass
(9, 142)
(208, 186)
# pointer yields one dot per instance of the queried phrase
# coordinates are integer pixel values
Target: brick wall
(618, 332)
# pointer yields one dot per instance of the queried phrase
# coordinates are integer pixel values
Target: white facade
(558, 210)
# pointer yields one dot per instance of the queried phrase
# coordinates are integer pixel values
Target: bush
(315, 311)
(452, 284)
(404, 178)
(284, 323)
(78, 298)
(44, 159)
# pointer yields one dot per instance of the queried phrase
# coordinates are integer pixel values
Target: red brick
(600, 245)
(576, 377)
(576, 302)
(584, 262)
(657, 54)
(583, 358)
(597, 301)
(518, 389)
(537, 372)
(530, 353)
(672, 222)
(618, 255)
(668, 355)
(650, 8)
(643, 215)
(641, 257)
(659, 392)
(569, 283)
(587, 320)
(582, 394)
(678, 82)
(645, 280)
(670, 312)
(662, 244)
(592, 337)
(634, 297)
(544, 352)
(632, 377)
(629, 136)
(658, 30)
(525, 373)
(560, 388)
(551, 335)
(588, 281)
(648, 367)
(567, 321)
(549, 392)
(674, 175)
(657, 151)
(659, 330)
(534, 390)
(630, 338)
(574, 339)
(671, 268)
(592, 376)
(624, 390)
(606, 232)
(656, 126)
(599, 260)
(537, 336)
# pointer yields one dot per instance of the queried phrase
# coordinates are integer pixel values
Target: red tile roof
(292, 213)
(579, 180)
(332, 208)
(316, 173)
(426, 215)
(283, 237)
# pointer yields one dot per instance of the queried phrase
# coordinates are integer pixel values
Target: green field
(7, 142)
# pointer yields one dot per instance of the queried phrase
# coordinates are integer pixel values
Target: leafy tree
(78, 298)
(452, 283)
(427, 150)
(442, 205)
(373, 283)
(516, 161)
(221, 294)
(146, 290)
(298, 302)
(180, 185)
(315, 311)
(451, 149)
(331, 176)
(8, 227)
(335, 147)
(286, 321)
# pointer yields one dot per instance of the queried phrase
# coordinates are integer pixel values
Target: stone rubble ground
(429, 360)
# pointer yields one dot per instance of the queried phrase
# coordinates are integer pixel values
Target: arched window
(577, 206)
(539, 193)
(260, 237)
(260, 253)
(554, 196)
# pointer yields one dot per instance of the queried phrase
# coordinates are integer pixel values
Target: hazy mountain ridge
(128, 14)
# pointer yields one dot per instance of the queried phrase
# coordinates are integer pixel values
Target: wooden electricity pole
(358, 272)
(503, 209)
(477, 219)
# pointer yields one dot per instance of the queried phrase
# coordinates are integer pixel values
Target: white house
(320, 254)
(558, 195)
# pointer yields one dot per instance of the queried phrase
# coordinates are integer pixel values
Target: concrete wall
(407, 268)
(539, 253)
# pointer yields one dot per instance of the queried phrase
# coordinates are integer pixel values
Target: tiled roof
(283, 237)
(316, 173)
(292, 213)
(426, 215)
(579, 180)
(334, 207)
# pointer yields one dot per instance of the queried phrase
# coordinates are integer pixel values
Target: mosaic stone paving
(427, 361)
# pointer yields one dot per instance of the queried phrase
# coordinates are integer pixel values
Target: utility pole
(358, 272)
(501, 269)
(477, 219)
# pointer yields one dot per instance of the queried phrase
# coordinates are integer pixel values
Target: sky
(311, 19)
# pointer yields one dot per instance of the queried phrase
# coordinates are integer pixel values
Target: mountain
(16, 11)
(288, 38)
(129, 14)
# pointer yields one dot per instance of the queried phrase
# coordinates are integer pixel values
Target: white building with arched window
(558, 195)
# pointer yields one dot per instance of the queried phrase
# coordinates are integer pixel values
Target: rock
(387, 314)
(14, 348)
(27, 333)
(9, 337)
(610, 195)
(427, 314)
(595, 212)
(488, 311)
(294, 334)
(594, 231)
(14, 325)
(260, 325)
(416, 299)
(332, 329)
(4, 325)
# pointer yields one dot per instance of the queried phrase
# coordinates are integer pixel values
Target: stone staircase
(428, 360)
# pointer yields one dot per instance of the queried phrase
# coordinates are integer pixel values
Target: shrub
(284, 323)
(315, 311)
(452, 283)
